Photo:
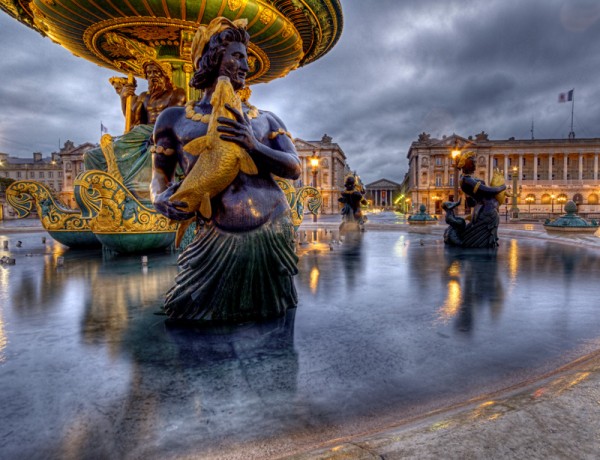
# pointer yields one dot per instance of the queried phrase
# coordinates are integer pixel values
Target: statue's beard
(236, 81)
(156, 86)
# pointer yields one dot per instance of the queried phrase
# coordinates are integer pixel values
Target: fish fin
(181, 228)
(205, 208)
(247, 165)
(197, 146)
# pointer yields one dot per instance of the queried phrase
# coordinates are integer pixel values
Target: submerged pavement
(556, 416)
(154, 404)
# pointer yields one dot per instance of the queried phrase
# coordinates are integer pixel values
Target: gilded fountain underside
(285, 34)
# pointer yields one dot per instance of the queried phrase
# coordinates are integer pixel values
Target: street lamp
(455, 154)
(562, 199)
(529, 199)
(514, 210)
(314, 164)
(552, 200)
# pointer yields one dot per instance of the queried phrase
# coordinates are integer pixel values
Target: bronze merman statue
(240, 266)
(129, 154)
(161, 94)
(482, 229)
(353, 196)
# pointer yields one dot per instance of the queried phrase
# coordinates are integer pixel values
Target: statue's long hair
(208, 66)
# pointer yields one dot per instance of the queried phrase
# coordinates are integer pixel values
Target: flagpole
(572, 133)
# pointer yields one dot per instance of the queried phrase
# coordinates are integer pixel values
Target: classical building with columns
(328, 172)
(382, 193)
(548, 171)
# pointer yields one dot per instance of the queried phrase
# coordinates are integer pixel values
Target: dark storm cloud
(400, 68)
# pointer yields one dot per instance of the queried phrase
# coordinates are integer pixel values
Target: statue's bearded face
(156, 79)
(234, 64)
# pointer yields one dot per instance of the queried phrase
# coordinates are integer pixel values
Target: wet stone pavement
(389, 327)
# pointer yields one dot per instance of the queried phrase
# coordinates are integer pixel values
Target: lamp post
(552, 201)
(314, 164)
(562, 200)
(514, 210)
(529, 200)
(455, 154)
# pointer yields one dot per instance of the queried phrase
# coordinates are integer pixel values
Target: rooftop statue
(240, 265)
(482, 229)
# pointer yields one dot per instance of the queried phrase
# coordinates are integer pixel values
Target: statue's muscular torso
(249, 201)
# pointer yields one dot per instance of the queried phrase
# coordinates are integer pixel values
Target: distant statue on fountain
(128, 157)
(481, 228)
(353, 196)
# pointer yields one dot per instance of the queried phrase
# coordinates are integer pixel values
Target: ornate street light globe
(121, 34)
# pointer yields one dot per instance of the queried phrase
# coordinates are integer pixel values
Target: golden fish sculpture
(219, 161)
(496, 181)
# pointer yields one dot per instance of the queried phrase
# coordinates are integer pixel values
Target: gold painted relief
(235, 5)
(113, 209)
(266, 16)
(53, 214)
(297, 198)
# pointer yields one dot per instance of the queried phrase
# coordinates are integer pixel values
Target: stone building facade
(329, 174)
(382, 193)
(548, 172)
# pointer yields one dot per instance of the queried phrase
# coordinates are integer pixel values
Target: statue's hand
(170, 208)
(128, 90)
(238, 130)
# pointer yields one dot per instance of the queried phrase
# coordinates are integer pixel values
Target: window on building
(495, 162)
(451, 181)
(524, 161)
(50, 174)
(19, 174)
(32, 174)
(552, 161)
(41, 175)
(438, 180)
(509, 161)
(539, 161)
(59, 173)
(438, 161)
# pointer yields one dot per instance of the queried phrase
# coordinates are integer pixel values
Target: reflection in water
(360, 348)
(113, 297)
(453, 301)
(314, 279)
(474, 282)
(3, 339)
(219, 385)
(513, 261)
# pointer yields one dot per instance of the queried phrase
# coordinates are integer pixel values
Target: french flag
(564, 97)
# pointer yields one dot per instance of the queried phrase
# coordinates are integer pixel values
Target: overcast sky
(399, 68)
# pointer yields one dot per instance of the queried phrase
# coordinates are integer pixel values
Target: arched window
(546, 199)
(593, 198)
(530, 198)
(578, 198)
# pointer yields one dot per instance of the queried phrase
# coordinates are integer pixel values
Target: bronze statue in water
(482, 229)
(352, 197)
(240, 265)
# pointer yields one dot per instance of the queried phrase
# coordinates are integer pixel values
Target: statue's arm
(273, 150)
(164, 163)
(475, 186)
